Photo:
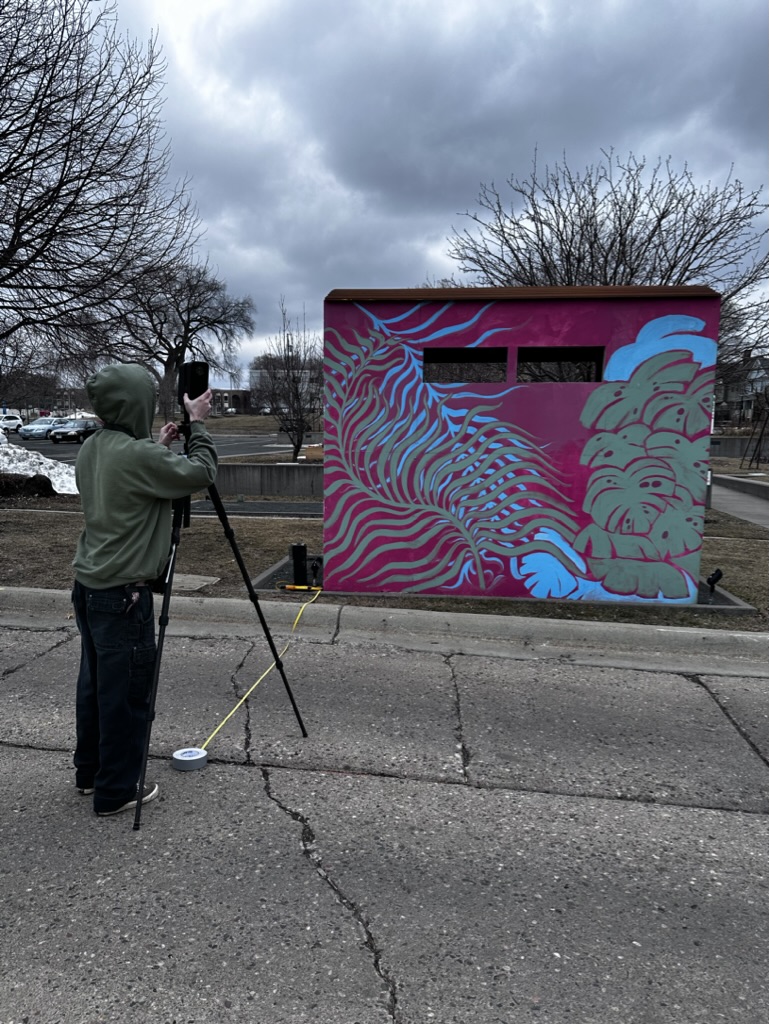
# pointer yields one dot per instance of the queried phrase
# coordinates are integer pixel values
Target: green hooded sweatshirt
(126, 481)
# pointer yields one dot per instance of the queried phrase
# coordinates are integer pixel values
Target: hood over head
(124, 395)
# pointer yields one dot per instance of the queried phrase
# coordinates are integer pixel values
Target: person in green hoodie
(127, 482)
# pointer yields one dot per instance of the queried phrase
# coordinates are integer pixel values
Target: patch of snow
(17, 460)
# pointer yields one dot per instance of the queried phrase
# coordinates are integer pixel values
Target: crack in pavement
(310, 850)
(338, 626)
(67, 637)
(476, 785)
(721, 705)
(246, 706)
(464, 751)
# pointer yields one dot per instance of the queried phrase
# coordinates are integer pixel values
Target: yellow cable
(262, 676)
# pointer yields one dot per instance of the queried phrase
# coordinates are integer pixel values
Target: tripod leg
(230, 535)
(179, 513)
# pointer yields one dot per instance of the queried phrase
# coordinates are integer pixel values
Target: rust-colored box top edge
(547, 292)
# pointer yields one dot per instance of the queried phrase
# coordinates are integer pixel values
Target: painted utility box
(518, 442)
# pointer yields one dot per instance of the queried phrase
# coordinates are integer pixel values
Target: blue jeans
(117, 663)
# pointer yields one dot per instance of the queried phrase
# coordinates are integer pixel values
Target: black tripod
(181, 516)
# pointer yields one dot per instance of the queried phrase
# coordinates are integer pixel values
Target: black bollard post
(299, 560)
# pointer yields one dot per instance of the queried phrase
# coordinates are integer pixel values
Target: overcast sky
(336, 143)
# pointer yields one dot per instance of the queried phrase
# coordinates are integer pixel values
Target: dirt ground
(38, 536)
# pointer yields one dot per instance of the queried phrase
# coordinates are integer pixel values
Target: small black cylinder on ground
(298, 555)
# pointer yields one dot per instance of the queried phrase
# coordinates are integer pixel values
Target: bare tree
(25, 372)
(287, 379)
(624, 222)
(85, 206)
(185, 313)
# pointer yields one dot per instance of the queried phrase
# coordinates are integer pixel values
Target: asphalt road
(227, 444)
(491, 821)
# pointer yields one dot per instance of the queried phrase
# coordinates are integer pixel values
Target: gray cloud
(335, 145)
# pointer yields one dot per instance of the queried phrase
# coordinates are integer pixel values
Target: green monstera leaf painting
(648, 476)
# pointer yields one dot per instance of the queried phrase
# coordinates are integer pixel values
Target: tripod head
(185, 430)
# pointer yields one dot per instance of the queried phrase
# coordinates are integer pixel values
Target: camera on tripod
(193, 381)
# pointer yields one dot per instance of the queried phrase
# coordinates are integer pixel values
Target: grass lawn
(38, 537)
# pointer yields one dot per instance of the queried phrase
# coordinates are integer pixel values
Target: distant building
(230, 401)
(281, 392)
(740, 391)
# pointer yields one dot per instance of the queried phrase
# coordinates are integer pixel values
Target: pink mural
(518, 442)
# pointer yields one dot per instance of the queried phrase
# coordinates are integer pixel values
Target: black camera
(193, 381)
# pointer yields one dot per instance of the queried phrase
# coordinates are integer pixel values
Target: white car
(10, 421)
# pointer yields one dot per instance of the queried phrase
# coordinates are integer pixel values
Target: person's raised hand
(199, 407)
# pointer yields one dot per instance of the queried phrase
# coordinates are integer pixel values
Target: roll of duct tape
(189, 759)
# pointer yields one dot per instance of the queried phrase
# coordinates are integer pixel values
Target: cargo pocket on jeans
(140, 670)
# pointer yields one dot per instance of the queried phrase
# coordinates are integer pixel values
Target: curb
(706, 651)
(744, 485)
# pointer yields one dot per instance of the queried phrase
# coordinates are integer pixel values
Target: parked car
(41, 427)
(10, 421)
(74, 430)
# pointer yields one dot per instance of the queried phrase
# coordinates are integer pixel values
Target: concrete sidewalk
(492, 820)
(750, 507)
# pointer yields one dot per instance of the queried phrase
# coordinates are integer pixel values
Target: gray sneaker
(151, 790)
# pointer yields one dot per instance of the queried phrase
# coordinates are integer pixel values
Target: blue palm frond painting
(427, 488)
